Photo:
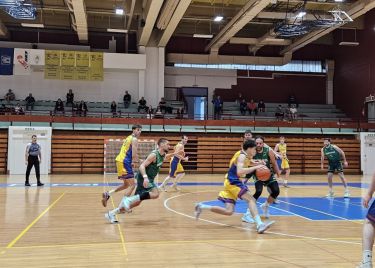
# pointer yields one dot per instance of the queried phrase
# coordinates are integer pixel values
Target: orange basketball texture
(263, 174)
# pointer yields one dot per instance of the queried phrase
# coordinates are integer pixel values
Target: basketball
(263, 174)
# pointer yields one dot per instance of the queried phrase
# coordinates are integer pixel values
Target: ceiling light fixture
(218, 18)
(203, 35)
(113, 30)
(301, 14)
(32, 25)
(119, 11)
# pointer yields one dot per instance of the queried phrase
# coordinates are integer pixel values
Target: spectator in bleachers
(30, 101)
(113, 108)
(75, 108)
(261, 106)
(83, 108)
(218, 107)
(127, 99)
(59, 107)
(293, 111)
(239, 98)
(292, 100)
(70, 98)
(18, 109)
(158, 113)
(10, 96)
(252, 107)
(163, 105)
(178, 114)
(243, 107)
(287, 114)
(142, 105)
(279, 113)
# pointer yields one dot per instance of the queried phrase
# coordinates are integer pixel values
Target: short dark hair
(259, 137)
(136, 126)
(162, 140)
(183, 135)
(33, 136)
(248, 144)
(247, 131)
(327, 139)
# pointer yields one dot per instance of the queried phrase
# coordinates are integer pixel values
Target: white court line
(247, 229)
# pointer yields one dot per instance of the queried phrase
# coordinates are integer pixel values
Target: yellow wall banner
(82, 66)
(68, 62)
(96, 66)
(52, 64)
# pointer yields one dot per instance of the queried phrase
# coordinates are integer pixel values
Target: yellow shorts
(285, 163)
(124, 170)
(175, 167)
(232, 192)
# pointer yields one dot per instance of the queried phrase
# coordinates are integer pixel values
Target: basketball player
(282, 161)
(234, 188)
(266, 155)
(368, 228)
(146, 187)
(334, 155)
(126, 160)
(176, 170)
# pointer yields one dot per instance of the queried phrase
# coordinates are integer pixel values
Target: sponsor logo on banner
(6, 60)
(21, 62)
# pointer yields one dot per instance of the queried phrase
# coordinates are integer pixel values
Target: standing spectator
(18, 109)
(279, 113)
(83, 108)
(163, 105)
(30, 101)
(243, 107)
(252, 107)
(59, 106)
(70, 98)
(113, 108)
(293, 111)
(292, 100)
(142, 105)
(33, 157)
(261, 106)
(239, 98)
(127, 99)
(218, 107)
(9, 96)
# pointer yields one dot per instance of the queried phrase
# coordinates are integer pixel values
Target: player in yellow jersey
(235, 189)
(126, 160)
(282, 159)
(176, 170)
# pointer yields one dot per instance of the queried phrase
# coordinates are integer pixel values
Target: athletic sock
(367, 256)
(258, 220)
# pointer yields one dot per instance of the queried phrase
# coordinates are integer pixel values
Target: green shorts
(335, 166)
(267, 182)
(140, 189)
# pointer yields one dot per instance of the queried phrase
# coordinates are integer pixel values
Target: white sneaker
(265, 208)
(365, 265)
(276, 201)
(247, 218)
(261, 228)
(110, 217)
(198, 211)
(346, 194)
(330, 194)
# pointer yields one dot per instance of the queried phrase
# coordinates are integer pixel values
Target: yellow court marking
(11, 244)
(172, 242)
(118, 225)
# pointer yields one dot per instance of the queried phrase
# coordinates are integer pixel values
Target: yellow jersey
(126, 153)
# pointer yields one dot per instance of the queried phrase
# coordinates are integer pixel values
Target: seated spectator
(158, 113)
(59, 107)
(127, 99)
(149, 115)
(75, 109)
(243, 107)
(252, 107)
(293, 111)
(279, 113)
(142, 105)
(292, 100)
(18, 109)
(261, 106)
(239, 98)
(287, 114)
(10, 96)
(178, 114)
(113, 108)
(83, 108)
(70, 98)
(30, 101)
(163, 105)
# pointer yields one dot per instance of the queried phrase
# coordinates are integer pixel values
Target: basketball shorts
(335, 166)
(124, 170)
(267, 182)
(140, 189)
(371, 213)
(232, 191)
(175, 167)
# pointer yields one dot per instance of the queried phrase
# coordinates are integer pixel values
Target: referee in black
(33, 157)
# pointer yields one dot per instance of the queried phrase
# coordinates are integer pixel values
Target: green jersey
(264, 155)
(332, 154)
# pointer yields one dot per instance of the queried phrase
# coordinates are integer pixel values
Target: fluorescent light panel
(203, 35)
(112, 30)
(119, 11)
(301, 14)
(32, 25)
(218, 18)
